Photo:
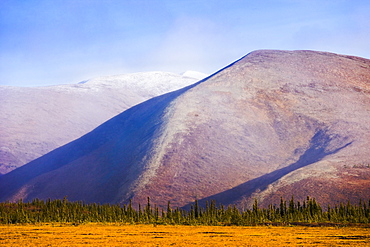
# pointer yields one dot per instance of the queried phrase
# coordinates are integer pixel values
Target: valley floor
(148, 235)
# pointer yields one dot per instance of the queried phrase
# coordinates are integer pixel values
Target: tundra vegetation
(113, 234)
(65, 223)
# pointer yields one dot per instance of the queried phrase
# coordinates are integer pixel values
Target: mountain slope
(274, 123)
(262, 114)
(37, 120)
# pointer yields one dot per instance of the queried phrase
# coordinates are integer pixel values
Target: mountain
(274, 123)
(36, 120)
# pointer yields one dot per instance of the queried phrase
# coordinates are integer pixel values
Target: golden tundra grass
(149, 235)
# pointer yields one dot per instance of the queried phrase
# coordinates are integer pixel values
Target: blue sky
(46, 42)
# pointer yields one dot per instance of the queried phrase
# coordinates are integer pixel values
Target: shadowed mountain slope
(274, 123)
(39, 119)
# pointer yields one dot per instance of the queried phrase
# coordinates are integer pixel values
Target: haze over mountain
(36, 120)
(274, 123)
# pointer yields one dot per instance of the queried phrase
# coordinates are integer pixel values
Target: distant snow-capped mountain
(36, 120)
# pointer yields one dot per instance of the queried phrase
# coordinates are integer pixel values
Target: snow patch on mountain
(148, 84)
(194, 74)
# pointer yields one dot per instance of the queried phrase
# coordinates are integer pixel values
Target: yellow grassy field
(149, 235)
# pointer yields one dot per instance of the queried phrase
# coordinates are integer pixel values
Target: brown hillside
(274, 123)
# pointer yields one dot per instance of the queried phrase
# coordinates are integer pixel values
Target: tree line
(291, 211)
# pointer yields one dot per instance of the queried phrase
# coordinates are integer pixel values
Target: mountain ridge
(258, 128)
(39, 119)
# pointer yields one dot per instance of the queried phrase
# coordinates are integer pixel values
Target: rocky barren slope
(274, 123)
(36, 120)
